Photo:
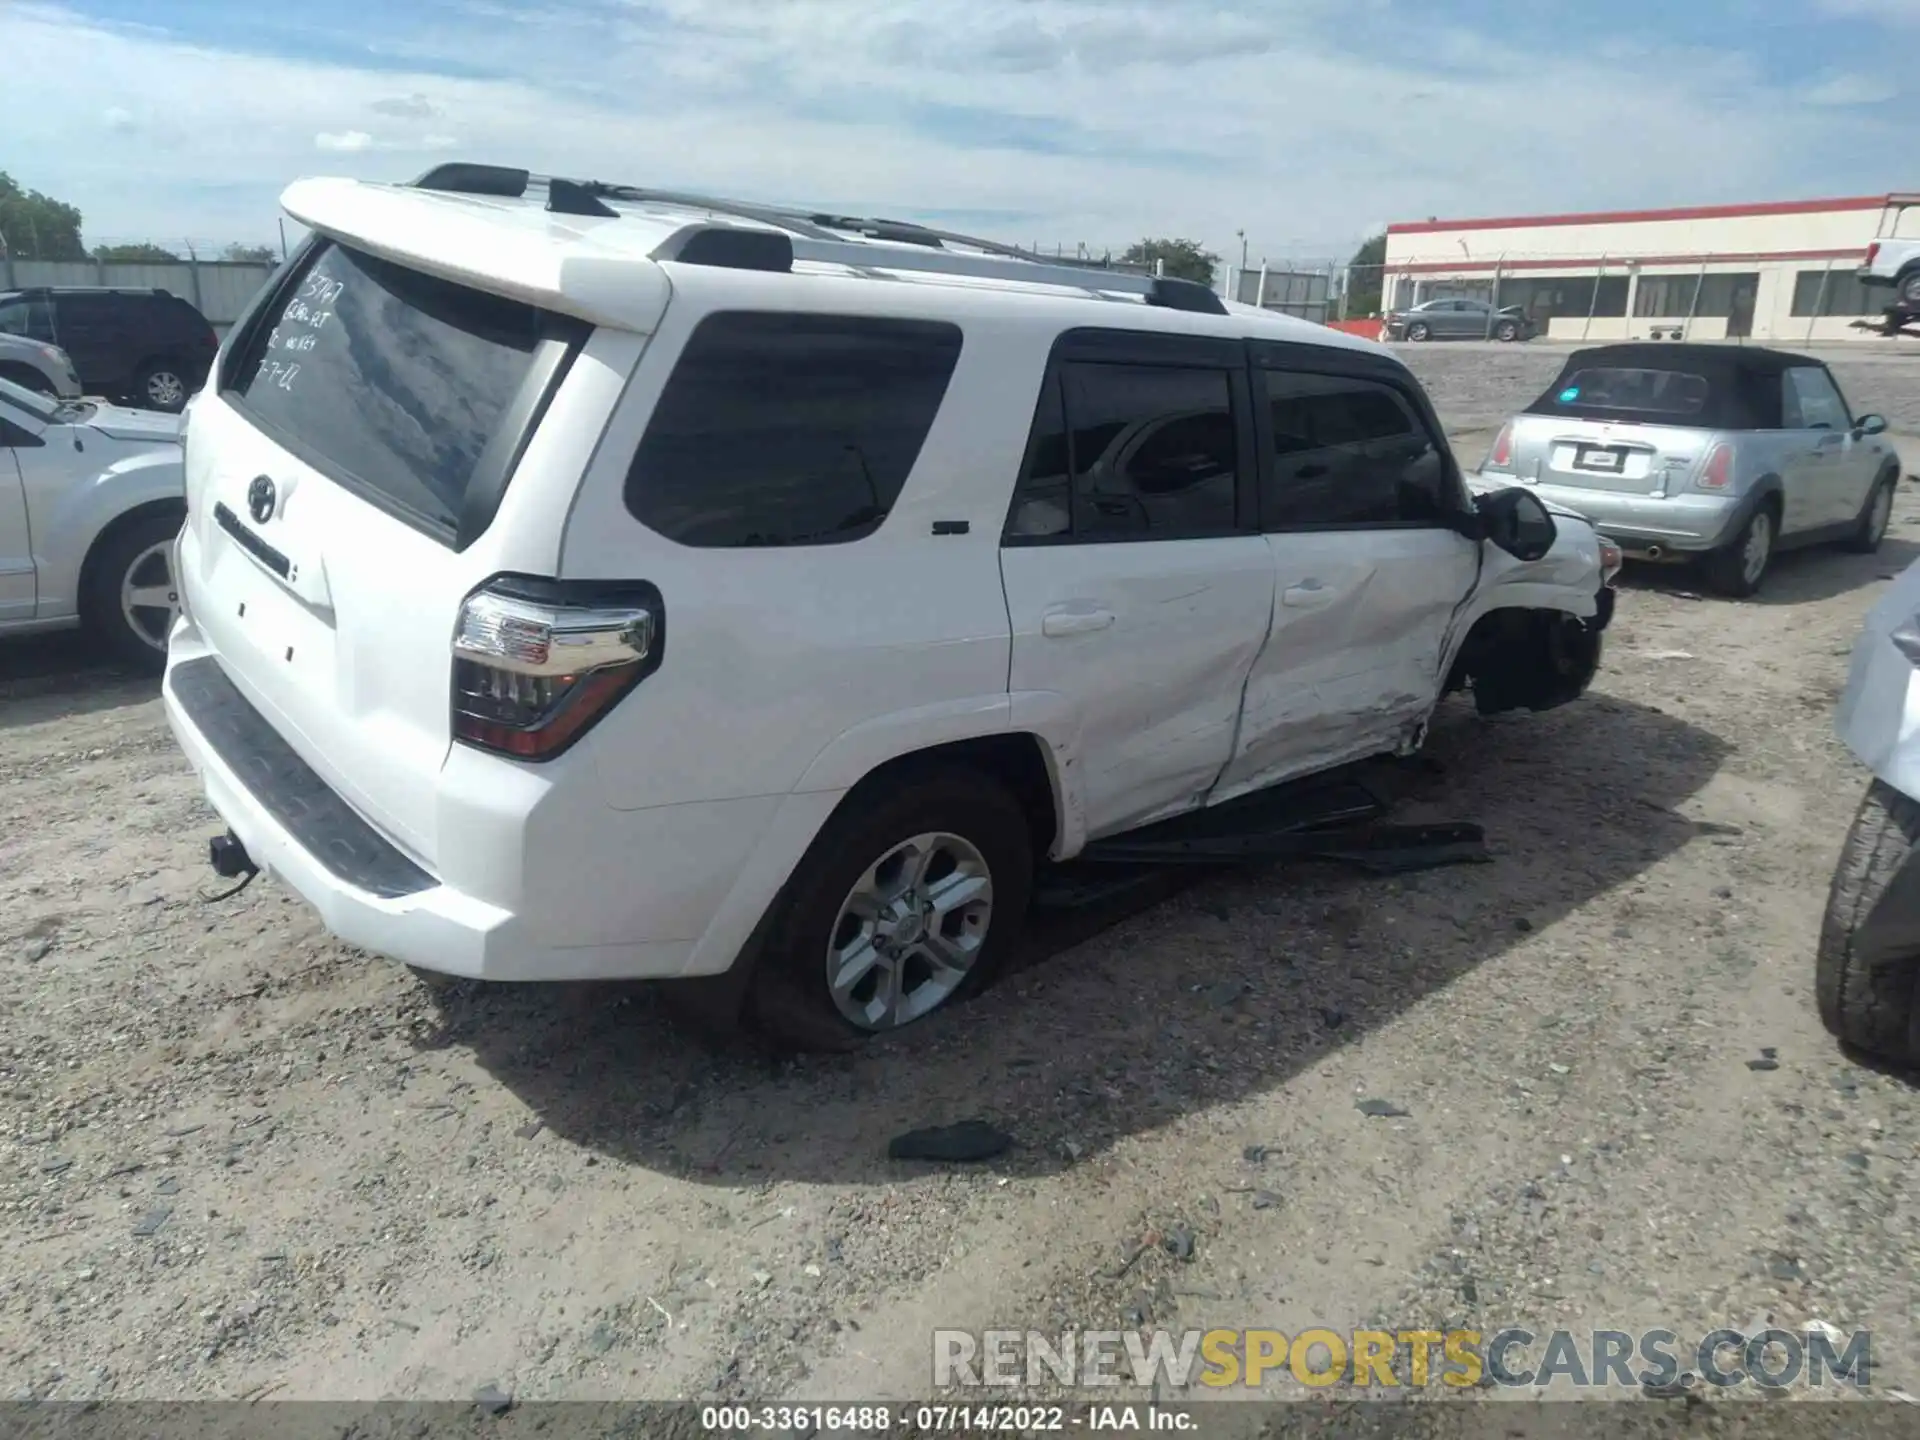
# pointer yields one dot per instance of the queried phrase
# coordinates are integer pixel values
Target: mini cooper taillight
(1612, 560)
(1717, 473)
(1501, 456)
(537, 663)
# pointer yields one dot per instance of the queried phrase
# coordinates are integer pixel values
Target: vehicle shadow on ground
(64, 674)
(1220, 993)
(1798, 577)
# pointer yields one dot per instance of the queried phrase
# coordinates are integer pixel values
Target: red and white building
(1780, 272)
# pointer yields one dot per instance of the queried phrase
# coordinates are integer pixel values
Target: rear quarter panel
(807, 666)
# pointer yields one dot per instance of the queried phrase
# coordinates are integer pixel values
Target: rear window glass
(388, 380)
(783, 429)
(1644, 391)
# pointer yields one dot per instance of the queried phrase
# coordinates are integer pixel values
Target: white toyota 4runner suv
(585, 582)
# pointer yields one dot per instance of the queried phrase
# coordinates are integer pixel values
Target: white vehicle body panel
(1149, 645)
(1890, 258)
(1352, 666)
(788, 673)
(1878, 717)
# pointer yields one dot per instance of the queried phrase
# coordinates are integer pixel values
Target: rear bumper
(1640, 524)
(598, 894)
(418, 920)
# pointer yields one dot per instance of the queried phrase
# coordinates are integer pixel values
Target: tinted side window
(1043, 504)
(177, 319)
(31, 318)
(782, 429)
(1348, 452)
(92, 312)
(1154, 449)
(1811, 402)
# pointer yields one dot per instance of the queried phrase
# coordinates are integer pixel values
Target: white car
(1893, 260)
(628, 585)
(91, 497)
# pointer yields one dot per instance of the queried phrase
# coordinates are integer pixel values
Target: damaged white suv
(587, 582)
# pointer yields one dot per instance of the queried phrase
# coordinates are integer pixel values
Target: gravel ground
(239, 1159)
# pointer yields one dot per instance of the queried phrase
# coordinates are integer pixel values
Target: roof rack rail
(461, 177)
(821, 236)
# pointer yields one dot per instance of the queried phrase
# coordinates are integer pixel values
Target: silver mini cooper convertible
(1719, 454)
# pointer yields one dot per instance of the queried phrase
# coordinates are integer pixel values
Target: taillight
(1501, 456)
(1717, 473)
(537, 663)
(1612, 558)
(1873, 252)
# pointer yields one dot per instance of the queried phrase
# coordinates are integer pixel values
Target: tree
(1366, 274)
(250, 254)
(35, 226)
(140, 253)
(1185, 259)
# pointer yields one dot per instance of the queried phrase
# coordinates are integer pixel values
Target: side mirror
(1870, 425)
(1517, 522)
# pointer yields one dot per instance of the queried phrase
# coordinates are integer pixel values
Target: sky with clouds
(1302, 123)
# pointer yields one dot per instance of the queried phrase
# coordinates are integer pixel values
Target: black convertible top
(1717, 387)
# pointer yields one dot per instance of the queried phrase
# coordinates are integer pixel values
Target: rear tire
(1871, 1007)
(131, 597)
(870, 851)
(1737, 568)
(162, 385)
(1910, 287)
(1871, 528)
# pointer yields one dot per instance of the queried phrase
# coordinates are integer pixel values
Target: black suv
(145, 347)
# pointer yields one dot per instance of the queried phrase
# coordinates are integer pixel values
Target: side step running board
(1379, 849)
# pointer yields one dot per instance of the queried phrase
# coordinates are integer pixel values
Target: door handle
(1075, 622)
(1307, 596)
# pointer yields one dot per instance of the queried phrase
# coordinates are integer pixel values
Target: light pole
(1241, 235)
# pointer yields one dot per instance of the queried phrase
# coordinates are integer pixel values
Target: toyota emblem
(260, 499)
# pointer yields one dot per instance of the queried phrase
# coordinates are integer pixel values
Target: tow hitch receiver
(229, 857)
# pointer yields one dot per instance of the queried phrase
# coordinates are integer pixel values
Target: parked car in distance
(1722, 455)
(145, 347)
(37, 366)
(1893, 259)
(766, 604)
(1456, 319)
(91, 497)
(1867, 966)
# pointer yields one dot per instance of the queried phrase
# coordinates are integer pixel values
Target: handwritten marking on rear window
(321, 289)
(280, 374)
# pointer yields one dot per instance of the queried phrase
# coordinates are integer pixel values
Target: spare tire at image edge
(1870, 1006)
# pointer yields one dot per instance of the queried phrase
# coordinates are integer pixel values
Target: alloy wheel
(909, 931)
(165, 390)
(149, 597)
